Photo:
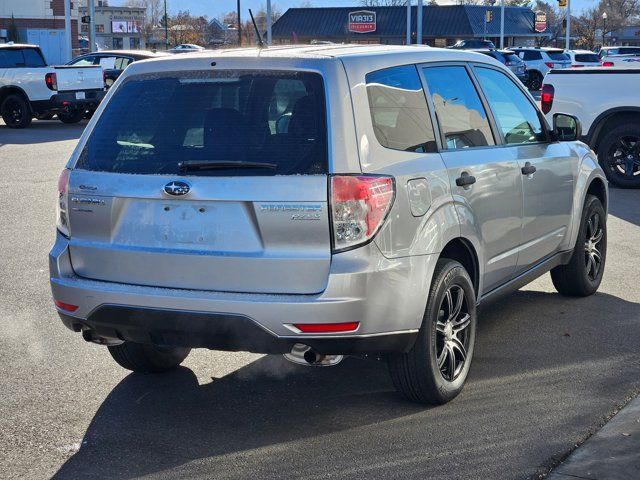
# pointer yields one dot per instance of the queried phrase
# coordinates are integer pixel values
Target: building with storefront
(629, 36)
(40, 23)
(441, 25)
(117, 28)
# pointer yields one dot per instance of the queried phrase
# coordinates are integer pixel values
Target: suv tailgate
(73, 78)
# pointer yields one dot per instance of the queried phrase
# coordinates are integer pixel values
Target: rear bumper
(386, 296)
(68, 100)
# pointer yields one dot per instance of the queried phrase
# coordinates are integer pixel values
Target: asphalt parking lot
(548, 371)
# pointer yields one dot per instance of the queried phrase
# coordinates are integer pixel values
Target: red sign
(540, 24)
(362, 21)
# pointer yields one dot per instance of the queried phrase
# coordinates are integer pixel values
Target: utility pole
(239, 26)
(501, 24)
(166, 26)
(92, 25)
(268, 22)
(409, 22)
(67, 31)
(419, 24)
(567, 42)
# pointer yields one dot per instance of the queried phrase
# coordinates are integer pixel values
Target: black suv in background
(510, 60)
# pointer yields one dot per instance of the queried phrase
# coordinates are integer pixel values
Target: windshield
(156, 122)
(558, 56)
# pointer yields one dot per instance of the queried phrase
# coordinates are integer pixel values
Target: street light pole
(604, 27)
(239, 26)
(419, 24)
(166, 26)
(92, 25)
(67, 31)
(268, 22)
(409, 22)
(501, 24)
(567, 43)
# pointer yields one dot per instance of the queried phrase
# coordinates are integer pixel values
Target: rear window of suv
(558, 56)
(587, 57)
(222, 123)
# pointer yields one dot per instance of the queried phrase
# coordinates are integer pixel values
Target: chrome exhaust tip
(302, 354)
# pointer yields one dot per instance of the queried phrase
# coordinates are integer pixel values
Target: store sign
(541, 22)
(362, 21)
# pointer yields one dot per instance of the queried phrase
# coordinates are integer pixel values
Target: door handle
(528, 169)
(464, 180)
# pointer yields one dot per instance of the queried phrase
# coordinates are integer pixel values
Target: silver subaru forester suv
(318, 202)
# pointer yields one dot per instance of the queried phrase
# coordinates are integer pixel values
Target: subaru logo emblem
(176, 188)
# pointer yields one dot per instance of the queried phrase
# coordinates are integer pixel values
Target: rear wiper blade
(189, 165)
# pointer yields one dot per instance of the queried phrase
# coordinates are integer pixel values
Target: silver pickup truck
(30, 88)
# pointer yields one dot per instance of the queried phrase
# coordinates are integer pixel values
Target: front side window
(516, 117)
(399, 110)
(461, 115)
(221, 123)
(11, 58)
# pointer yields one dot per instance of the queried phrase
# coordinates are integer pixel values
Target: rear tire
(619, 155)
(73, 116)
(143, 358)
(15, 111)
(435, 369)
(581, 277)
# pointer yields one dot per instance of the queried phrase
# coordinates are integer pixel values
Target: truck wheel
(436, 367)
(535, 80)
(16, 112)
(72, 116)
(581, 277)
(147, 358)
(619, 155)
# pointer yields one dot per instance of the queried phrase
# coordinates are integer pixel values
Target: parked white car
(29, 88)
(539, 61)
(610, 120)
(583, 58)
(620, 56)
(186, 48)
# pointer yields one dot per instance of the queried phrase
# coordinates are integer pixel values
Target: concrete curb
(612, 453)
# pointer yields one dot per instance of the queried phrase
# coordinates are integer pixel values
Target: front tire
(72, 116)
(435, 369)
(619, 155)
(143, 358)
(15, 112)
(581, 277)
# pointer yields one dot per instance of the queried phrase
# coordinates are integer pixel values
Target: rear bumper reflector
(327, 327)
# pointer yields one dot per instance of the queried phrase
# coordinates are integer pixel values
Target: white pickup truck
(607, 103)
(29, 88)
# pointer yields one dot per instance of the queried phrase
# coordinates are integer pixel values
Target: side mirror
(566, 128)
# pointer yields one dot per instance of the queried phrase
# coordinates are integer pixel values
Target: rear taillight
(51, 80)
(546, 98)
(607, 64)
(359, 206)
(327, 327)
(549, 64)
(65, 306)
(62, 205)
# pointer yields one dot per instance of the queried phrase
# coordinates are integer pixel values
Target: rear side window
(558, 56)
(11, 58)
(461, 115)
(629, 51)
(33, 58)
(399, 110)
(512, 58)
(587, 57)
(224, 123)
(529, 55)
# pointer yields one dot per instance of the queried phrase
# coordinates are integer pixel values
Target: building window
(99, 28)
(84, 28)
(134, 43)
(118, 44)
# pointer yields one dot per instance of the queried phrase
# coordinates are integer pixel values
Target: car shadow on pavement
(623, 203)
(41, 131)
(153, 423)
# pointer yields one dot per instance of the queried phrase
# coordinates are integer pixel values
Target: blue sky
(215, 8)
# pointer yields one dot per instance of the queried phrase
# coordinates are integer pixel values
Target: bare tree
(186, 28)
